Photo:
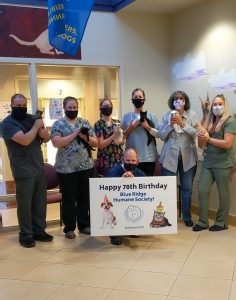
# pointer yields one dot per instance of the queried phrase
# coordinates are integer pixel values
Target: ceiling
(148, 6)
(160, 6)
(100, 5)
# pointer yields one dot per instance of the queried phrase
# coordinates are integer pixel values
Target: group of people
(127, 148)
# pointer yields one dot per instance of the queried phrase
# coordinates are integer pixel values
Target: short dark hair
(67, 99)
(173, 97)
(17, 96)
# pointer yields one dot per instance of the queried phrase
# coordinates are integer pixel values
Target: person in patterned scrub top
(110, 139)
(75, 138)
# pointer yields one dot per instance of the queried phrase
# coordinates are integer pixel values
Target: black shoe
(85, 230)
(43, 237)
(27, 242)
(116, 240)
(217, 228)
(188, 223)
(70, 235)
(198, 228)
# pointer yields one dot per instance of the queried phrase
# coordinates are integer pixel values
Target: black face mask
(129, 167)
(106, 111)
(19, 113)
(138, 103)
(71, 114)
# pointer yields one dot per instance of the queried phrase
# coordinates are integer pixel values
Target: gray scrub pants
(31, 196)
(206, 180)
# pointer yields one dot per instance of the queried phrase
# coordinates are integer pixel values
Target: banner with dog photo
(133, 206)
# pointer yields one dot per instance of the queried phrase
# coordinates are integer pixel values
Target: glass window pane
(87, 84)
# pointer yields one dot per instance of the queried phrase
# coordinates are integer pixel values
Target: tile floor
(184, 266)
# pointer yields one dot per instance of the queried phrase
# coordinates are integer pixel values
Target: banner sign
(67, 20)
(133, 206)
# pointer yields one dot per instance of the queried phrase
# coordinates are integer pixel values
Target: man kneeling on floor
(127, 169)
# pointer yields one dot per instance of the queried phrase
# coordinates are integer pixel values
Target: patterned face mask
(178, 104)
(218, 110)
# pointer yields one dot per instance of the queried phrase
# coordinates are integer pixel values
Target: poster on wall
(133, 206)
(5, 109)
(55, 108)
(24, 33)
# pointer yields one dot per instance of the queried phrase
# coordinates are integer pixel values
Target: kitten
(143, 117)
(176, 127)
(85, 131)
(117, 128)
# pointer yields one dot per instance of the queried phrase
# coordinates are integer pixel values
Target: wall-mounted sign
(24, 33)
(5, 109)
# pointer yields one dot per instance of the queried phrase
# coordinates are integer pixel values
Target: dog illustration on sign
(41, 42)
(108, 218)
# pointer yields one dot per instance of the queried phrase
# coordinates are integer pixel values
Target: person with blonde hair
(216, 138)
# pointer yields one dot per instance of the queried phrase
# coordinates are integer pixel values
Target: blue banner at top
(67, 20)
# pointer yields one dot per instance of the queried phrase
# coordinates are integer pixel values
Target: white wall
(140, 44)
(209, 27)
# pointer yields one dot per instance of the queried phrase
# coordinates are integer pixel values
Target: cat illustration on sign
(41, 42)
(159, 219)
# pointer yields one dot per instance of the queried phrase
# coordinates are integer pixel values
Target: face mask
(106, 111)
(138, 103)
(218, 110)
(19, 113)
(71, 114)
(178, 104)
(129, 167)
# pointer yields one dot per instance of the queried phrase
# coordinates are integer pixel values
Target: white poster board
(133, 206)
(5, 109)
